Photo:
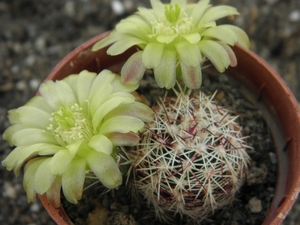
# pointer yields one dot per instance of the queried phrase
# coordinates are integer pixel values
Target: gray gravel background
(36, 34)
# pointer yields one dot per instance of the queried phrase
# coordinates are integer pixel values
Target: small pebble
(294, 16)
(117, 7)
(9, 190)
(34, 84)
(21, 85)
(34, 207)
(273, 157)
(254, 205)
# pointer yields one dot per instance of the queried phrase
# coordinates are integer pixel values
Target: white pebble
(9, 190)
(273, 157)
(15, 69)
(34, 84)
(294, 16)
(34, 207)
(70, 8)
(21, 85)
(254, 205)
(117, 7)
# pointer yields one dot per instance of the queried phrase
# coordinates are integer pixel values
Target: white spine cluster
(191, 159)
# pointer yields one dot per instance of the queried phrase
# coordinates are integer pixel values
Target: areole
(267, 87)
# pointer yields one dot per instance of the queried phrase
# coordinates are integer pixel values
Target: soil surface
(36, 34)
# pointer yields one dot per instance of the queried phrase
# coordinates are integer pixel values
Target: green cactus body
(192, 158)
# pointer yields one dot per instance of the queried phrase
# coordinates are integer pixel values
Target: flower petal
(39, 102)
(124, 139)
(158, 8)
(32, 136)
(73, 180)
(124, 44)
(133, 70)
(85, 80)
(105, 169)
(197, 10)
(53, 193)
(101, 144)
(242, 37)
(21, 154)
(231, 54)
(165, 72)
(29, 174)
(217, 12)
(152, 55)
(112, 102)
(48, 92)
(189, 54)
(192, 75)
(135, 109)
(43, 178)
(65, 93)
(221, 33)
(215, 53)
(193, 38)
(31, 116)
(121, 124)
(60, 162)
(108, 40)
(166, 38)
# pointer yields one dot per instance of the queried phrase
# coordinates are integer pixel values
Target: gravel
(36, 34)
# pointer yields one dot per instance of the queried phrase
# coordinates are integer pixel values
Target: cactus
(192, 158)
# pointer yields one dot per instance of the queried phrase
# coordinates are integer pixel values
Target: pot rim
(287, 149)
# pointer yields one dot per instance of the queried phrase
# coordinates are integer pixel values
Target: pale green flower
(175, 35)
(71, 130)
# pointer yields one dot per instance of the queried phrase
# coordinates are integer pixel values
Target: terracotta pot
(266, 87)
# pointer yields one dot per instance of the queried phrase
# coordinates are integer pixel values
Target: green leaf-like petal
(105, 169)
(39, 102)
(165, 72)
(221, 33)
(73, 180)
(124, 44)
(65, 93)
(217, 12)
(85, 80)
(192, 38)
(135, 109)
(29, 174)
(146, 14)
(32, 136)
(121, 124)
(48, 92)
(242, 37)
(192, 76)
(215, 53)
(152, 55)
(189, 54)
(158, 8)
(43, 178)
(108, 40)
(166, 38)
(112, 102)
(133, 70)
(101, 144)
(197, 10)
(53, 193)
(31, 116)
(124, 139)
(60, 162)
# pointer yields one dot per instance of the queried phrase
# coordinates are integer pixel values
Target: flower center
(174, 22)
(70, 125)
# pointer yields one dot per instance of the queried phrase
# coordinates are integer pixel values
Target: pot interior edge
(70, 64)
(281, 112)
